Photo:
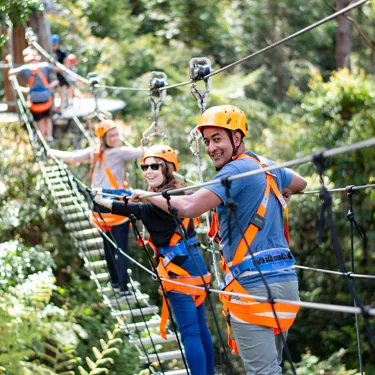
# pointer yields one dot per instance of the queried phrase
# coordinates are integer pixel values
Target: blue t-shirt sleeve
(284, 176)
(220, 190)
(251, 183)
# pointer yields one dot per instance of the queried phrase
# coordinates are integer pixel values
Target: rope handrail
(303, 160)
(349, 274)
(337, 190)
(58, 64)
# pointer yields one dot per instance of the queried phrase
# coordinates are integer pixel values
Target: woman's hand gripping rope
(137, 193)
(98, 198)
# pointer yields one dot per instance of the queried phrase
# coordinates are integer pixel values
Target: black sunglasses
(153, 166)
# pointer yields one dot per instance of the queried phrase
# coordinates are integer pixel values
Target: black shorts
(39, 115)
(62, 80)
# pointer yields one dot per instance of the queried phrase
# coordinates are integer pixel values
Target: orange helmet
(103, 127)
(224, 116)
(163, 152)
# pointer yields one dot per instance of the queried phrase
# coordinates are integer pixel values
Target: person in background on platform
(61, 56)
(107, 172)
(40, 79)
(71, 63)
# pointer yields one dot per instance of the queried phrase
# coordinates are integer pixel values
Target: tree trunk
(343, 37)
(39, 23)
(16, 44)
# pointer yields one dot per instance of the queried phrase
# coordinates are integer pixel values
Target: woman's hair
(170, 181)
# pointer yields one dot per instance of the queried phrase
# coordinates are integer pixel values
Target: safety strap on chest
(107, 170)
(41, 76)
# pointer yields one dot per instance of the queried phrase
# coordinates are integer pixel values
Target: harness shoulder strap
(41, 76)
(185, 222)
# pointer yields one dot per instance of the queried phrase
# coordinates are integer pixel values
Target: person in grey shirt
(107, 171)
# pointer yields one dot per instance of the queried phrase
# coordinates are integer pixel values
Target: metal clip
(157, 96)
(94, 80)
(195, 135)
(200, 67)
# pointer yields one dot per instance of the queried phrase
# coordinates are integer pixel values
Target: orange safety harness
(105, 221)
(39, 107)
(166, 266)
(248, 309)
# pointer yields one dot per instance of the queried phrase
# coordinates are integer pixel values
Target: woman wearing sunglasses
(107, 171)
(174, 255)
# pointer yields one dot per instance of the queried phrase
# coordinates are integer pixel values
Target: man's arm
(297, 184)
(192, 205)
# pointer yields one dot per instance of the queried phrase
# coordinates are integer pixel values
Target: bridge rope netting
(74, 200)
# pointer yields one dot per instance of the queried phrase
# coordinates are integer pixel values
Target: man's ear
(237, 138)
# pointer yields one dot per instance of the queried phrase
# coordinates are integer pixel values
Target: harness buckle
(258, 221)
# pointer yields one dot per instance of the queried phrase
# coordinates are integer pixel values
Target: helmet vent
(229, 120)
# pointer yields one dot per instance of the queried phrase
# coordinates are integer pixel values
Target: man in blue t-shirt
(253, 325)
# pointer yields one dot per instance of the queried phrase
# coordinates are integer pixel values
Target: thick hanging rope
(353, 224)
(326, 209)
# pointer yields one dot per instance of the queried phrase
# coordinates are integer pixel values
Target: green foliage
(17, 10)
(101, 356)
(312, 365)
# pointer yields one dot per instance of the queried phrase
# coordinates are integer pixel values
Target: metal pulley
(156, 96)
(200, 67)
(94, 79)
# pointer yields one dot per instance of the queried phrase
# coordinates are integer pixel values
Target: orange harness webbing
(105, 221)
(39, 107)
(198, 295)
(248, 309)
(183, 276)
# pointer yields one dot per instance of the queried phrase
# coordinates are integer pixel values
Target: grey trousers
(260, 350)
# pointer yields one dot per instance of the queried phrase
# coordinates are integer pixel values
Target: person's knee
(189, 331)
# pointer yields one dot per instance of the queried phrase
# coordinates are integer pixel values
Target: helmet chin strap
(234, 148)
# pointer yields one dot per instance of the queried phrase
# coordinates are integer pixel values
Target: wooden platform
(83, 107)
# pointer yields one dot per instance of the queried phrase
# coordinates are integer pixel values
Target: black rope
(271, 300)
(326, 209)
(182, 231)
(353, 223)
(118, 249)
(138, 235)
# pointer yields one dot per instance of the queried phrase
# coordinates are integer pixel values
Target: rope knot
(319, 160)
(349, 190)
